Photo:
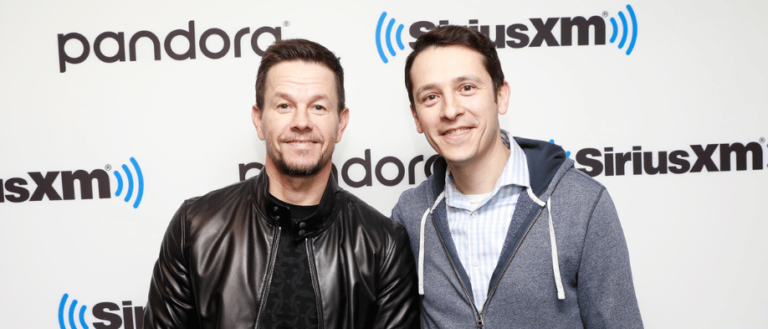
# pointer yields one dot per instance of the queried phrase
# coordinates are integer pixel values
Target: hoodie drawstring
(555, 261)
(421, 241)
(552, 243)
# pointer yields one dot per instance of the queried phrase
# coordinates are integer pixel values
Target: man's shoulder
(367, 216)
(423, 190)
(414, 201)
(580, 185)
(578, 194)
(213, 202)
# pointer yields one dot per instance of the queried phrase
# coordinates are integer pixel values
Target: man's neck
(297, 190)
(480, 175)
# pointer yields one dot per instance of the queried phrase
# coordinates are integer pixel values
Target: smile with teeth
(456, 131)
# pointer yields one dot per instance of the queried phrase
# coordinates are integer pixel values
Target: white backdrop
(695, 79)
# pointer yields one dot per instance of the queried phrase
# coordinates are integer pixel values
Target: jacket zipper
(478, 314)
(270, 270)
(496, 285)
(315, 284)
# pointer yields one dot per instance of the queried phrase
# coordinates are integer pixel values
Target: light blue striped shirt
(479, 231)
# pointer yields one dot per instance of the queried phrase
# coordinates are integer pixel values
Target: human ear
(256, 117)
(502, 98)
(343, 121)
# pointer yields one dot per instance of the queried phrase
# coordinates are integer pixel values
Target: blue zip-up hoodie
(566, 216)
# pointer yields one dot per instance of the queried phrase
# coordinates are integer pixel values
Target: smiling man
(288, 248)
(508, 234)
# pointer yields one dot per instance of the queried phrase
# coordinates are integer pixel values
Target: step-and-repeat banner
(111, 114)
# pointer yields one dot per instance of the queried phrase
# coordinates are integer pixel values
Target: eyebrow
(425, 88)
(314, 98)
(466, 78)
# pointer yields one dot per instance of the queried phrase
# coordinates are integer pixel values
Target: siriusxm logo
(71, 313)
(625, 29)
(710, 158)
(112, 316)
(17, 192)
(521, 35)
(388, 37)
(129, 178)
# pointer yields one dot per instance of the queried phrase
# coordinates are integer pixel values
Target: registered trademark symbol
(605, 13)
(286, 23)
(762, 140)
(109, 167)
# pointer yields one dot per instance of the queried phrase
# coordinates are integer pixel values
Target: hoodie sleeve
(606, 294)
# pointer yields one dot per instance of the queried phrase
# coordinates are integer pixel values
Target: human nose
(300, 120)
(452, 108)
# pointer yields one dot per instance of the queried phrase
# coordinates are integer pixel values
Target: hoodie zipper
(496, 285)
(478, 314)
(268, 279)
(479, 320)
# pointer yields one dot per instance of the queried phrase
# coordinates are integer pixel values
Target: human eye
(318, 108)
(283, 107)
(467, 88)
(430, 99)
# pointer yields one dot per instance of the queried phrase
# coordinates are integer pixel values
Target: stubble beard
(298, 170)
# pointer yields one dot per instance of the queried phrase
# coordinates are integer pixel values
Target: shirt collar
(279, 213)
(515, 173)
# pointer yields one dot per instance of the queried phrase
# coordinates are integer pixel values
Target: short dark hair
(298, 50)
(453, 35)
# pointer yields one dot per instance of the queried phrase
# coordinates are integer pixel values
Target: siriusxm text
(710, 157)
(540, 31)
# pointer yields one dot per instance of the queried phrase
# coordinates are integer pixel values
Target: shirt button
(275, 208)
(475, 263)
(302, 225)
(474, 214)
(301, 232)
(277, 217)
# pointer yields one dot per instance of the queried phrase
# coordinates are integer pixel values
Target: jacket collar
(278, 213)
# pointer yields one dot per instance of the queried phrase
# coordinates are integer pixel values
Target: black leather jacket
(216, 258)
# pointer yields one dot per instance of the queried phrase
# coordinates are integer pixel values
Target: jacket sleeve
(170, 301)
(606, 294)
(398, 297)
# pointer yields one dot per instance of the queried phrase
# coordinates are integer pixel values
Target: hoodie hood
(544, 160)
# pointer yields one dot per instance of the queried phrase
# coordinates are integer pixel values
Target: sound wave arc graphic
(388, 37)
(625, 30)
(71, 313)
(129, 179)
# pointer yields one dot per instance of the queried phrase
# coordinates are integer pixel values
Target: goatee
(298, 170)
